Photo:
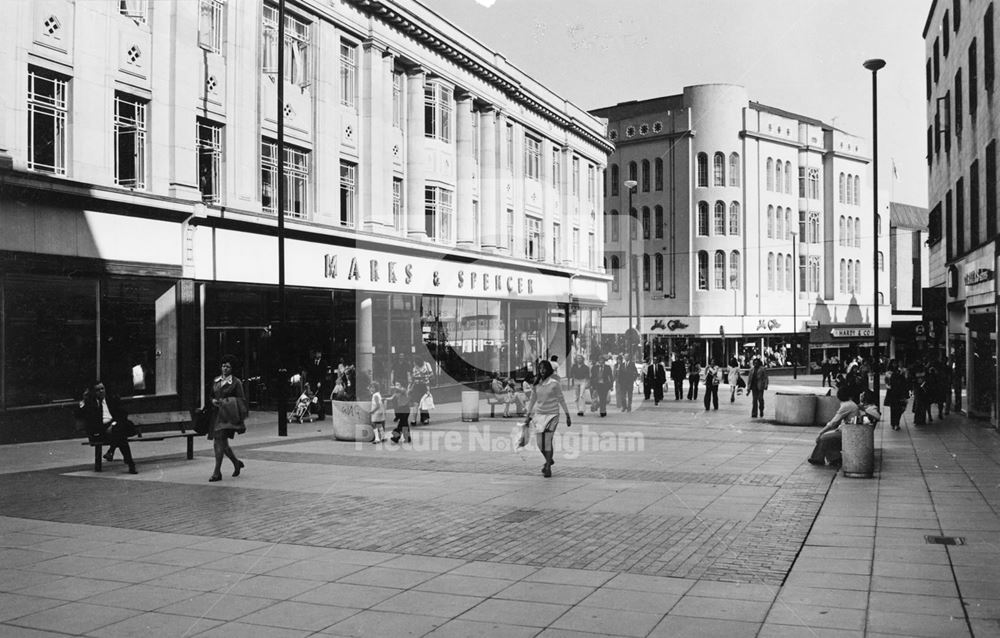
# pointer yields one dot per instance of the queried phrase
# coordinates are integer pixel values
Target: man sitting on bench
(106, 422)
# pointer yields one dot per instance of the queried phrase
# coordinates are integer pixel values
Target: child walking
(377, 411)
(401, 407)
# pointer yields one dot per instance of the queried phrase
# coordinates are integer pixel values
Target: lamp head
(631, 183)
(874, 64)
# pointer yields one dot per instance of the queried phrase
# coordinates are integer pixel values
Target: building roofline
(795, 116)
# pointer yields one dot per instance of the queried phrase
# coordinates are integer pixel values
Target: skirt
(545, 422)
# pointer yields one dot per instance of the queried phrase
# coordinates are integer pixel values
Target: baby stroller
(301, 412)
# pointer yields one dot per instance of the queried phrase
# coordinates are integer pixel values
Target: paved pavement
(668, 521)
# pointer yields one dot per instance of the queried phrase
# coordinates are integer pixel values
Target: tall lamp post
(795, 306)
(874, 66)
(280, 171)
(630, 184)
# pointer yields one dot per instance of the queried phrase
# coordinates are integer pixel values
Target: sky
(803, 56)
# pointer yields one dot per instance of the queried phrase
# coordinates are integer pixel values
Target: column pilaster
(488, 181)
(376, 118)
(465, 163)
(415, 160)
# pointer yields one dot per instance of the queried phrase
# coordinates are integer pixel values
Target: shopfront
(845, 342)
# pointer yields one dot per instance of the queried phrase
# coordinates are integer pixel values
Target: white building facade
(963, 123)
(913, 339)
(439, 202)
(753, 230)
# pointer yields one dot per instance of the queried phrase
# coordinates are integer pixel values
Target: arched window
(734, 169)
(843, 276)
(850, 276)
(857, 190)
(734, 269)
(857, 233)
(779, 224)
(658, 173)
(849, 238)
(850, 189)
(777, 176)
(842, 226)
(719, 170)
(615, 228)
(788, 272)
(703, 170)
(658, 221)
(881, 261)
(658, 267)
(702, 270)
(633, 219)
(614, 179)
(734, 218)
(770, 222)
(857, 278)
(779, 281)
(770, 271)
(813, 274)
(703, 219)
(720, 269)
(616, 274)
(813, 234)
(788, 223)
(633, 171)
(720, 218)
(645, 175)
(841, 192)
(788, 177)
(645, 222)
(878, 224)
(645, 272)
(770, 174)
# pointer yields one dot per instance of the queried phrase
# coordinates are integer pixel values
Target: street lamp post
(630, 184)
(795, 308)
(874, 65)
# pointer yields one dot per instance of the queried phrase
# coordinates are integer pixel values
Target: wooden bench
(182, 419)
(493, 401)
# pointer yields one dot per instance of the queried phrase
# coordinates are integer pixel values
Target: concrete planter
(826, 407)
(794, 409)
(352, 421)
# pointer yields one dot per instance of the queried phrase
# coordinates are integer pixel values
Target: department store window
(813, 266)
(645, 222)
(703, 219)
(658, 274)
(47, 111)
(734, 169)
(788, 272)
(130, 141)
(633, 221)
(770, 174)
(137, 10)
(720, 218)
(770, 271)
(591, 251)
(702, 170)
(849, 237)
(397, 204)
(857, 233)
(437, 116)
(658, 173)
(210, 25)
(438, 214)
(779, 223)
(576, 242)
(777, 176)
(788, 177)
(349, 194)
(720, 270)
(842, 235)
(857, 275)
(843, 276)
(296, 178)
(734, 218)
(398, 108)
(557, 243)
(591, 183)
(615, 228)
(702, 270)
(533, 238)
(842, 192)
(614, 179)
(645, 272)
(770, 222)
(509, 132)
(812, 231)
(633, 171)
(881, 262)
(557, 171)
(734, 270)
(645, 176)
(658, 221)
(616, 274)
(532, 158)
(297, 47)
(719, 170)
(779, 279)
(576, 177)
(210, 161)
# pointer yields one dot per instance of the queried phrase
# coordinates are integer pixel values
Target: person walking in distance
(756, 384)
(318, 372)
(601, 378)
(659, 380)
(543, 411)
(229, 410)
(626, 377)
(694, 379)
(897, 393)
(580, 375)
(677, 373)
(712, 381)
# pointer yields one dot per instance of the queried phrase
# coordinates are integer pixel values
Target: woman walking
(543, 410)
(229, 410)
(897, 393)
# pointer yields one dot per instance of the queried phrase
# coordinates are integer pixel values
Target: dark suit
(659, 377)
(115, 434)
(677, 373)
(601, 379)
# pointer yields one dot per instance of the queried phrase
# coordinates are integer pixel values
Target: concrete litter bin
(794, 408)
(470, 406)
(858, 449)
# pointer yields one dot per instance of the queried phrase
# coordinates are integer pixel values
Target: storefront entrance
(982, 349)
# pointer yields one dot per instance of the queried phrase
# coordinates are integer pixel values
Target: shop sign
(978, 276)
(672, 325)
(768, 324)
(847, 333)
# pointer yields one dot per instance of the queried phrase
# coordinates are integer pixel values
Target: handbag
(200, 420)
(427, 402)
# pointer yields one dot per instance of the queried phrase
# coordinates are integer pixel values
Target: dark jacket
(678, 370)
(897, 389)
(601, 375)
(90, 415)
